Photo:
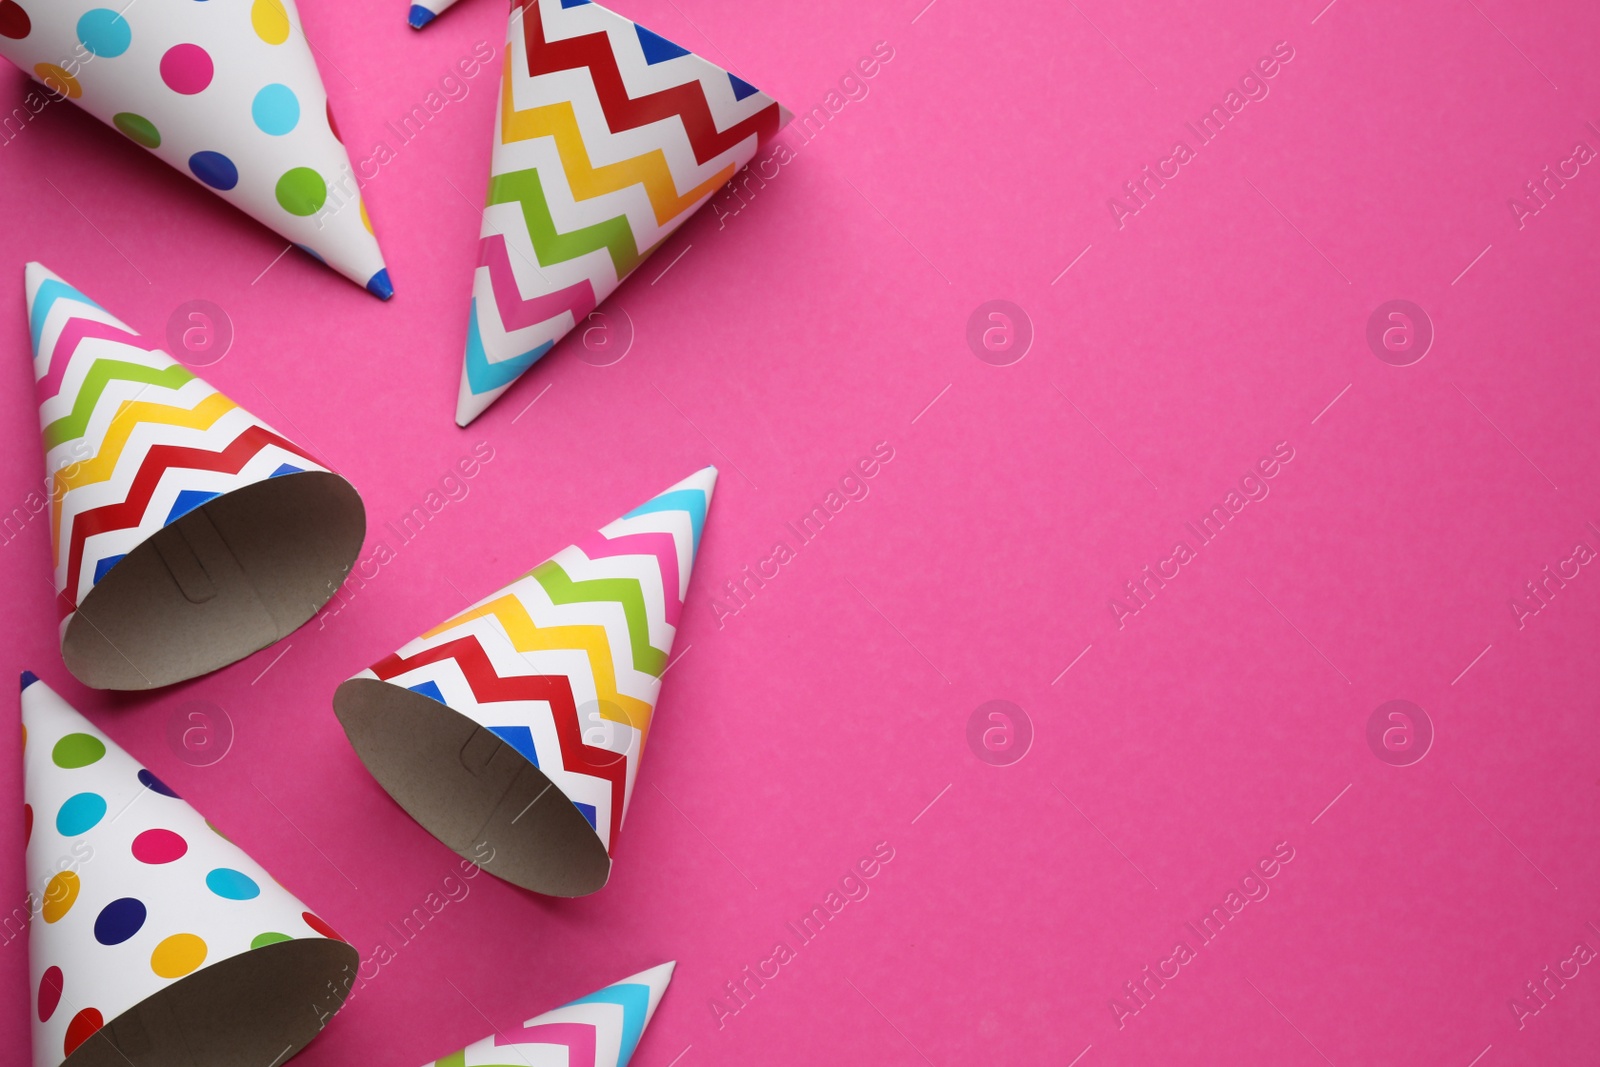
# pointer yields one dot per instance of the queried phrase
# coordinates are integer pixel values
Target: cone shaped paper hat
(599, 1030)
(228, 94)
(607, 139)
(549, 682)
(425, 11)
(185, 532)
(153, 940)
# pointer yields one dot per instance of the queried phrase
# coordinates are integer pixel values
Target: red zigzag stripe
(489, 687)
(686, 102)
(156, 463)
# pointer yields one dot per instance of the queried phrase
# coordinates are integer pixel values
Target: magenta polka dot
(159, 846)
(186, 68)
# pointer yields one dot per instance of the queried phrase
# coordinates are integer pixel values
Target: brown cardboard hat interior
(471, 790)
(259, 1007)
(227, 579)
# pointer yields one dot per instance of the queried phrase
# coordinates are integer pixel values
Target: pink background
(825, 716)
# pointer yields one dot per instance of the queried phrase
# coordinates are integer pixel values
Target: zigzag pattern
(594, 623)
(600, 1030)
(585, 167)
(123, 461)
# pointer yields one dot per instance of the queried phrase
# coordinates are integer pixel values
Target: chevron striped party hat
(599, 1030)
(549, 682)
(152, 939)
(185, 532)
(228, 94)
(607, 138)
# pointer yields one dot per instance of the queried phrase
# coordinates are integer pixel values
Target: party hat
(153, 940)
(227, 93)
(549, 682)
(607, 138)
(425, 11)
(599, 1030)
(185, 532)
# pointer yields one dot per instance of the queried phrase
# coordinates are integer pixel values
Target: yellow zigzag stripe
(129, 416)
(587, 181)
(527, 636)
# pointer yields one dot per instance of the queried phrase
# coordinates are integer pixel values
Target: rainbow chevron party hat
(152, 939)
(226, 93)
(185, 533)
(549, 682)
(599, 1030)
(607, 138)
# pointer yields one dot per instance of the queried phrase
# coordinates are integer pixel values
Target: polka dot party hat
(186, 533)
(552, 681)
(425, 11)
(227, 93)
(153, 940)
(599, 1030)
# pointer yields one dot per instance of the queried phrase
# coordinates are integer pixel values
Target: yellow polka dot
(364, 220)
(59, 896)
(178, 955)
(270, 20)
(58, 81)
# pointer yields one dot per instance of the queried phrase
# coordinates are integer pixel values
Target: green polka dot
(77, 750)
(139, 129)
(269, 938)
(302, 191)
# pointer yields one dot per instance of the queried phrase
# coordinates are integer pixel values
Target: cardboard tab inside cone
(154, 941)
(607, 138)
(226, 93)
(549, 682)
(185, 532)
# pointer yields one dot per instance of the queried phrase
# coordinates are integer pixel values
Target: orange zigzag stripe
(587, 181)
(528, 636)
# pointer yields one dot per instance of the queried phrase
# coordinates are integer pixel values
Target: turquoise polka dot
(276, 110)
(104, 32)
(80, 814)
(230, 884)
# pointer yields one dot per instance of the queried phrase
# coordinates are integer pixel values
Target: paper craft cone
(153, 940)
(227, 93)
(549, 682)
(599, 1030)
(185, 532)
(423, 13)
(607, 138)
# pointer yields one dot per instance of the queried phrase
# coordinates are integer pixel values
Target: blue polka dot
(118, 921)
(80, 814)
(230, 884)
(104, 32)
(276, 110)
(215, 169)
(155, 785)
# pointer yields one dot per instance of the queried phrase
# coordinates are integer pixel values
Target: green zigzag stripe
(102, 374)
(561, 589)
(614, 235)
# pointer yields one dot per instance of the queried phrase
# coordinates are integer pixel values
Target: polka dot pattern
(275, 109)
(104, 32)
(159, 846)
(320, 927)
(58, 81)
(50, 987)
(137, 129)
(301, 191)
(271, 937)
(60, 893)
(214, 169)
(187, 69)
(270, 21)
(178, 955)
(81, 813)
(14, 21)
(119, 920)
(230, 884)
(77, 750)
(83, 1026)
(155, 785)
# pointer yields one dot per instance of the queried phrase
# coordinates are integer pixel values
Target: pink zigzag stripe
(578, 1039)
(72, 334)
(517, 313)
(659, 545)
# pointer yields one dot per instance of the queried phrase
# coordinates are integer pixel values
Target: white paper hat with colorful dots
(227, 93)
(153, 939)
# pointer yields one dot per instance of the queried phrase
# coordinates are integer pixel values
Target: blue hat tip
(379, 285)
(28, 678)
(420, 16)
